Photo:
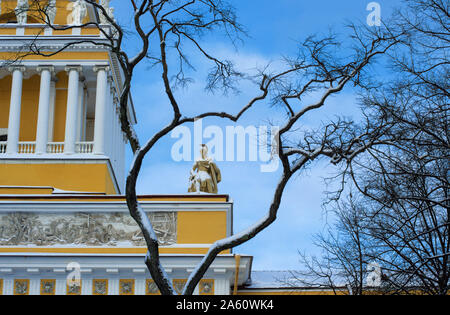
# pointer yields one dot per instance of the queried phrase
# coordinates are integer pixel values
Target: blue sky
(273, 28)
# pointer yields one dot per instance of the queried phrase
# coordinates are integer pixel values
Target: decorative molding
(4, 47)
(178, 285)
(77, 68)
(74, 288)
(151, 288)
(206, 287)
(82, 229)
(101, 68)
(15, 68)
(126, 287)
(21, 286)
(48, 286)
(46, 67)
(98, 264)
(100, 287)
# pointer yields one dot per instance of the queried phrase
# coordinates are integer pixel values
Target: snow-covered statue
(109, 10)
(51, 11)
(21, 11)
(111, 13)
(79, 11)
(205, 175)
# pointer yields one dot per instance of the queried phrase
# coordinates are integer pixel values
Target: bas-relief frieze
(83, 229)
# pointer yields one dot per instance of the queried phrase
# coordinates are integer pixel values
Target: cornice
(109, 206)
(53, 44)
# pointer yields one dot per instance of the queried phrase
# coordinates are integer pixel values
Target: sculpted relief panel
(83, 229)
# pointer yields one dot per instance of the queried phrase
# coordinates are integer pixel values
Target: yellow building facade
(64, 223)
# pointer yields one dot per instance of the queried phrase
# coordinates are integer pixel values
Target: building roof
(272, 280)
(288, 280)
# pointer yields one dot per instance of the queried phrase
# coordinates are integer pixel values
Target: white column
(80, 110)
(72, 109)
(51, 120)
(14, 109)
(84, 115)
(115, 133)
(44, 109)
(100, 109)
(110, 121)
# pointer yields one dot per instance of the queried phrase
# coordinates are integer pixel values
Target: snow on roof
(272, 279)
(285, 279)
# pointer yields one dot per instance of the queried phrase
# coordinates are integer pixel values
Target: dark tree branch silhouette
(320, 69)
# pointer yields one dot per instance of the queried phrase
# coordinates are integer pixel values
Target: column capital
(41, 68)
(19, 68)
(77, 68)
(100, 68)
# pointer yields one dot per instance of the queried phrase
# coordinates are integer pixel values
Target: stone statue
(111, 13)
(205, 175)
(21, 11)
(51, 11)
(79, 11)
(109, 10)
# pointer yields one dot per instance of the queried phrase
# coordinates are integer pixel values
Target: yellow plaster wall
(29, 109)
(90, 31)
(5, 97)
(70, 176)
(62, 32)
(30, 101)
(7, 31)
(34, 31)
(59, 125)
(30, 105)
(25, 190)
(109, 184)
(7, 7)
(61, 12)
(201, 227)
